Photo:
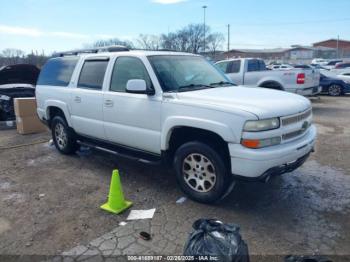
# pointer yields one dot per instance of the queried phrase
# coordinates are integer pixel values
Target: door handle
(77, 99)
(109, 103)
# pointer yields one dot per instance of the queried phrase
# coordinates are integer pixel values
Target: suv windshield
(186, 73)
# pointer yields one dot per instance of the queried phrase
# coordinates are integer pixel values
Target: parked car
(341, 68)
(154, 106)
(334, 86)
(331, 64)
(302, 66)
(319, 61)
(345, 77)
(342, 65)
(281, 67)
(253, 72)
(15, 81)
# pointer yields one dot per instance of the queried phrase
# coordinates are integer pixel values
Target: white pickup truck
(253, 72)
(176, 107)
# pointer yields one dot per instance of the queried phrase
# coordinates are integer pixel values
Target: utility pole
(228, 37)
(204, 8)
(338, 47)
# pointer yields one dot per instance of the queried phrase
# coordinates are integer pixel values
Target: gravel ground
(50, 202)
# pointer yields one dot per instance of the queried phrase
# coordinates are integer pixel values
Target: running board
(119, 154)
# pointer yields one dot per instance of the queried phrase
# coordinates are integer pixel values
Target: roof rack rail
(112, 48)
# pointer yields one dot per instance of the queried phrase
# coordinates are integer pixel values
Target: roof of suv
(134, 53)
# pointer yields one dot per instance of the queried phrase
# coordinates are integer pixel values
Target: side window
(234, 67)
(223, 66)
(92, 74)
(125, 69)
(57, 71)
(262, 65)
(253, 65)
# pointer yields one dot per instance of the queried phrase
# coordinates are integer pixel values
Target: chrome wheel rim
(199, 173)
(334, 90)
(61, 136)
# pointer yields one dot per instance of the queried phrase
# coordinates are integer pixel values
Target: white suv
(153, 106)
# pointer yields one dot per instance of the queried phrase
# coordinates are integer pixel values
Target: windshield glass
(186, 73)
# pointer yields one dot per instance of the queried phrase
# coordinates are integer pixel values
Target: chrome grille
(293, 134)
(297, 118)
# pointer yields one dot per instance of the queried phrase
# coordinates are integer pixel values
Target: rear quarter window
(57, 71)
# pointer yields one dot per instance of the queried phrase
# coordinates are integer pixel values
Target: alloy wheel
(199, 173)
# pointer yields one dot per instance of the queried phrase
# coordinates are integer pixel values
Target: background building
(342, 46)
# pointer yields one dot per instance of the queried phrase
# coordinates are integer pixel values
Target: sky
(58, 25)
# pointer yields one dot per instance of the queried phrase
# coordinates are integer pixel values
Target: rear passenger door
(87, 98)
(132, 120)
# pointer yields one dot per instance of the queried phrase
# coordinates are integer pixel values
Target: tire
(335, 90)
(63, 137)
(201, 172)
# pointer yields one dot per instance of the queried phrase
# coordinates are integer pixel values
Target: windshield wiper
(222, 83)
(194, 87)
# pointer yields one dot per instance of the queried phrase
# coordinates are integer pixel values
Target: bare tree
(12, 56)
(109, 42)
(215, 41)
(151, 42)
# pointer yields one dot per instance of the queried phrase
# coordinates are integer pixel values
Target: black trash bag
(306, 259)
(213, 238)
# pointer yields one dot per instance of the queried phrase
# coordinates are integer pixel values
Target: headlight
(262, 125)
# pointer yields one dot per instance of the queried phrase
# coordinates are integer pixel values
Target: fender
(61, 105)
(216, 127)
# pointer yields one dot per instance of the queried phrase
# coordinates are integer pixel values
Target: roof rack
(112, 48)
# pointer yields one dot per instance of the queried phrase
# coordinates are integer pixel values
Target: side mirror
(138, 86)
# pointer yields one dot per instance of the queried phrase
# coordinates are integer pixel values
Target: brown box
(25, 106)
(29, 125)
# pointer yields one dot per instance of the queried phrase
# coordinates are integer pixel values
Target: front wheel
(63, 137)
(201, 172)
(335, 90)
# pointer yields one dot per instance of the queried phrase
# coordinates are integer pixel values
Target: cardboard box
(29, 125)
(25, 106)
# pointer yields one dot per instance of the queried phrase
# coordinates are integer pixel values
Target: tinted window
(345, 65)
(125, 69)
(234, 67)
(223, 66)
(92, 74)
(57, 71)
(253, 65)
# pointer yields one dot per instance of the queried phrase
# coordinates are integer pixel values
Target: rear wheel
(335, 90)
(63, 138)
(201, 172)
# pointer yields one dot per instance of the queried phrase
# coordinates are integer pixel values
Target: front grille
(293, 134)
(295, 119)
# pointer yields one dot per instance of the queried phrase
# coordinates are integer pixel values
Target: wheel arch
(54, 108)
(175, 123)
(182, 134)
(271, 84)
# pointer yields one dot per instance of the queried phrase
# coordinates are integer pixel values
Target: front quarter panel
(175, 114)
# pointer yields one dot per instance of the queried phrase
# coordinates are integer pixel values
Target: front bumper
(258, 163)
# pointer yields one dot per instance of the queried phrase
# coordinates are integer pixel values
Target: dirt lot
(50, 202)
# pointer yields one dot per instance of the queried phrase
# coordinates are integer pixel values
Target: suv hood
(264, 103)
(19, 74)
